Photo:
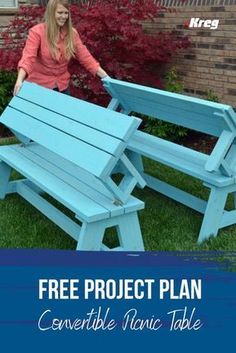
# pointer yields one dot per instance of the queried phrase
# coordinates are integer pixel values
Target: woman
(50, 46)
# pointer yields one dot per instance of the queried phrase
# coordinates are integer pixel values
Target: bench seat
(217, 170)
(65, 182)
(69, 150)
(178, 157)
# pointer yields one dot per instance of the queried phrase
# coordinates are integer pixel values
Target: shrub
(113, 32)
(161, 128)
(7, 80)
(211, 96)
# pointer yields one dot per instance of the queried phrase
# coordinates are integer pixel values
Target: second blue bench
(217, 171)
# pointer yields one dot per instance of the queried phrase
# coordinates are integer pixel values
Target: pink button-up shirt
(42, 68)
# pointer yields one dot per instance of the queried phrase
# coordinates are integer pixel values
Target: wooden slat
(71, 127)
(229, 217)
(163, 146)
(96, 188)
(179, 109)
(192, 166)
(48, 210)
(176, 194)
(112, 123)
(80, 204)
(195, 102)
(218, 154)
(74, 181)
(71, 168)
(85, 177)
(178, 115)
(86, 156)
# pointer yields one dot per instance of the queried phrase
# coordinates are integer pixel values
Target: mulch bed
(199, 142)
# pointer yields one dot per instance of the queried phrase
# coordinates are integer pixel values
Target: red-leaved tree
(113, 32)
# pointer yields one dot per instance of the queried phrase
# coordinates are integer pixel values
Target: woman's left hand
(101, 73)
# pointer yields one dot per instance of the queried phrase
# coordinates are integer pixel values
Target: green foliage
(164, 129)
(161, 128)
(211, 96)
(172, 83)
(7, 81)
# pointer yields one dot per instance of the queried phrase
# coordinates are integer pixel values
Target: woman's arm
(29, 55)
(101, 73)
(20, 78)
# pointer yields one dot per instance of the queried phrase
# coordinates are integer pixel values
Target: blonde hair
(52, 29)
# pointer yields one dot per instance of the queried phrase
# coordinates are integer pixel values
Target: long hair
(52, 30)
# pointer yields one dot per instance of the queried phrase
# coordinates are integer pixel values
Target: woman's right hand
(17, 87)
(19, 81)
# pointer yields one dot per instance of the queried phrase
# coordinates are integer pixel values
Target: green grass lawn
(166, 225)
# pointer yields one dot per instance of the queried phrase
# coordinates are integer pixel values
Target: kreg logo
(196, 22)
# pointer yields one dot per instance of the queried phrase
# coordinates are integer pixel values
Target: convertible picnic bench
(69, 149)
(217, 170)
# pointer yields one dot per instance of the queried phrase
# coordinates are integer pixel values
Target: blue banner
(66, 300)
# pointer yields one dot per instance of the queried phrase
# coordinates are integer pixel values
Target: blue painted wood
(136, 160)
(217, 170)
(121, 196)
(177, 108)
(90, 158)
(25, 140)
(77, 177)
(218, 154)
(128, 182)
(133, 171)
(5, 172)
(70, 154)
(213, 214)
(12, 186)
(77, 129)
(176, 194)
(91, 236)
(106, 248)
(87, 134)
(114, 104)
(57, 188)
(225, 168)
(86, 113)
(61, 185)
(128, 231)
(230, 117)
(155, 144)
(74, 181)
(229, 218)
(178, 157)
(64, 222)
(72, 169)
(231, 157)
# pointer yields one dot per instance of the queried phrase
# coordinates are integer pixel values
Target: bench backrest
(204, 116)
(194, 113)
(87, 135)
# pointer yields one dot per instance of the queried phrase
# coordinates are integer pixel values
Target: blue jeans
(65, 91)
